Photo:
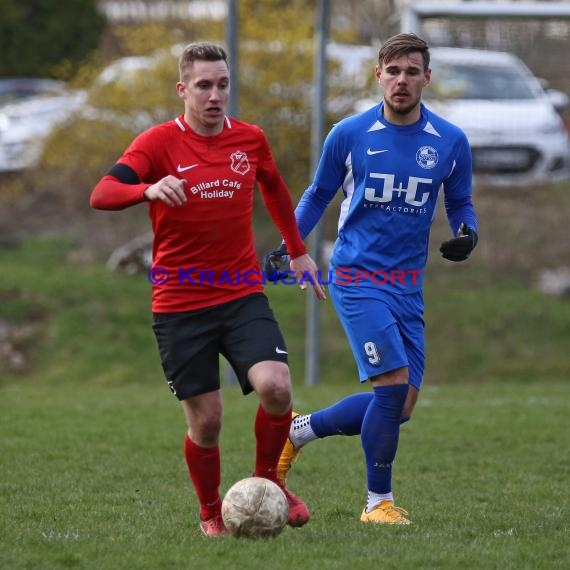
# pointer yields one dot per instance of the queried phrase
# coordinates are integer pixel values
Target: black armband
(124, 174)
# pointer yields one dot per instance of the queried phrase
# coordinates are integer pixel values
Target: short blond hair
(403, 44)
(199, 51)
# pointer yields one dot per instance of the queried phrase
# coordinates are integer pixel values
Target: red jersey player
(197, 174)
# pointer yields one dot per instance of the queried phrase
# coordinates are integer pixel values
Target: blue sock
(380, 433)
(343, 418)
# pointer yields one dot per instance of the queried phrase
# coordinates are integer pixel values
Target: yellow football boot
(288, 456)
(385, 513)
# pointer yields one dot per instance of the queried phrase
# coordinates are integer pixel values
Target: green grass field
(91, 439)
(94, 478)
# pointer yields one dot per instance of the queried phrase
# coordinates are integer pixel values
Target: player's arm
(313, 202)
(329, 177)
(127, 181)
(311, 208)
(132, 180)
(278, 201)
(118, 189)
(459, 207)
(280, 207)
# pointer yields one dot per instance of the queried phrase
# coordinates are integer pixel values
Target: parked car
(26, 123)
(513, 124)
(14, 89)
(114, 98)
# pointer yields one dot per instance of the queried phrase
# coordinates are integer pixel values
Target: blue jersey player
(390, 162)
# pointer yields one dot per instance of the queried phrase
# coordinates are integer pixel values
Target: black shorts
(244, 331)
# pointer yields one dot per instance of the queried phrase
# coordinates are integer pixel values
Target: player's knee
(410, 404)
(276, 397)
(275, 392)
(207, 427)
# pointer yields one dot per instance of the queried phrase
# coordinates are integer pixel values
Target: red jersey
(206, 244)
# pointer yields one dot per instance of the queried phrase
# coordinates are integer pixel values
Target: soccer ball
(255, 508)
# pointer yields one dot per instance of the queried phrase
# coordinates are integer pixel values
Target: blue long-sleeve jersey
(390, 176)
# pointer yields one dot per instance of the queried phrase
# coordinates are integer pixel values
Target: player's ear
(181, 89)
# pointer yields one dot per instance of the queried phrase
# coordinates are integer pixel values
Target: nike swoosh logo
(185, 168)
(279, 351)
(370, 152)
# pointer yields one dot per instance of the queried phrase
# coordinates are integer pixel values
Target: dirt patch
(22, 324)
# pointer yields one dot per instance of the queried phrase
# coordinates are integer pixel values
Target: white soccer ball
(255, 508)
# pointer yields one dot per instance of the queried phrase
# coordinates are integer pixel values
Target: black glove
(459, 248)
(275, 263)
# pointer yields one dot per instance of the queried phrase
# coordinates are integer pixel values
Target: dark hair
(403, 44)
(199, 51)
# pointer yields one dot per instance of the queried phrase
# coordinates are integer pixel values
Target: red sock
(271, 433)
(205, 472)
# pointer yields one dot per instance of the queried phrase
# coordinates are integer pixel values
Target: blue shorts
(385, 330)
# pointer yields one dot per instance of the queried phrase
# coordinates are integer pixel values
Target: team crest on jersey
(240, 163)
(427, 157)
